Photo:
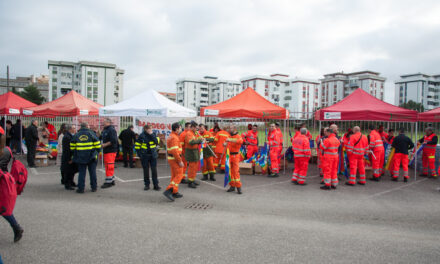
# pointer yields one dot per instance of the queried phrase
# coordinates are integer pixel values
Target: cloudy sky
(157, 42)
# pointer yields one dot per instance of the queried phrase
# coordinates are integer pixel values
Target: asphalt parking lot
(272, 222)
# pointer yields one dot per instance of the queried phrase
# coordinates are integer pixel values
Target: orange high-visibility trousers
(235, 171)
(250, 151)
(208, 165)
(357, 164)
(217, 160)
(300, 171)
(377, 163)
(274, 162)
(400, 158)
(330, 166)
(428, 161)
(109, 162)
(176, 176)
(193, 166)
(185, 166)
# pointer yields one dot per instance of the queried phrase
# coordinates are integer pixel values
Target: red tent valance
(430, 116)
(247, 104)
(12, 104)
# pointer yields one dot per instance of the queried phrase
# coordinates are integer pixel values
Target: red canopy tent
(247, 104)
(430, 116)
(71, 104)
(361, 105)
(12, 104)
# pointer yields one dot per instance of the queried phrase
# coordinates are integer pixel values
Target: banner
(96, 123)
(332, 115)
(162, 125)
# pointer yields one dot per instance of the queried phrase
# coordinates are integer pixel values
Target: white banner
(14, 111)
(332, 115)
(210, 112)
(161, 125)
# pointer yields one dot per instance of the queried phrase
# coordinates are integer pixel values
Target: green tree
(413, 106)
(31, 93)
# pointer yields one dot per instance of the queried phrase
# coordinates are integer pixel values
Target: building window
(54, 79)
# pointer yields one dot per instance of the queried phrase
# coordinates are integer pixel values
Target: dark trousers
(31, 150)
(68, 173)
(16, 145)
(127, 151)
(11, 220)
(147, 162)
(82, 175)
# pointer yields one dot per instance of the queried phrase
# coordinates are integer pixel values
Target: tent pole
(415, 161)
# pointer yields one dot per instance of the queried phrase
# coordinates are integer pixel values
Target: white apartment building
(336, 86)
(101, 82)
(198, 93)
(420, 88)
(299, 96)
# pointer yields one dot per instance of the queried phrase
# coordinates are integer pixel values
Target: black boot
(146, 188)
(18, 233)
(106, 185)
(212, 176)
(333, 187)
(192, 185)
(169, 194)
(405, 179)
(239, 190)
(349, 184)
(157, 188)
(184, 181)
(177, 195)
(205, 177)
(231, 189)
(375, 179)
(68, 187)
(325, 187)
(196, 183)
(395, 179)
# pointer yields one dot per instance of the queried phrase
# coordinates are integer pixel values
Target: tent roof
(148, 103)
(361, 105)
(11, 104)
(430, 116)
(71, 104)
(246, 104)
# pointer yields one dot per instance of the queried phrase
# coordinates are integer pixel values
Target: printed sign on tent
(332, 115)
(210, 112)
(161, 125)
(97, 123)
(14, 111)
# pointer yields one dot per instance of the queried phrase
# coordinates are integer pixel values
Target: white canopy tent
(148, 104)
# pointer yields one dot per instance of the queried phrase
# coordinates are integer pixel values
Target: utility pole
(7, 78)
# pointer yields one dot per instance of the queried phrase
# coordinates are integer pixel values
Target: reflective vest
(85, 146)
(330, 145)
(208, 137)
(301, 146)
(145, 144)
(174, 149)
(252, 138)
(429, 147)
(358, 147)
(280, 135)
(375, 140)
(234, 144)
(274, 139)
(219, 139)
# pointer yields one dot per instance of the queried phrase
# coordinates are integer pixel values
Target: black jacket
(127, 138)
(109, 135)
(402, 144)
(5, 159)
(15, 131)
(31, 135)
(85, 146)
(67, 153)
(146, 145)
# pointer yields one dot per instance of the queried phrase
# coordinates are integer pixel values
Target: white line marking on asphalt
(275, 183)
(395, 189)
(119, 179)
(216, 186)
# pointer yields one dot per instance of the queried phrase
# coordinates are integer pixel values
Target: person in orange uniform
(383, 134)
(213, 128)
(192, 153)
(219, 140)
(430, 141)
(401, 144)
(252, 142)
(378, 153)
(309, 135)
(356, 148)
(274, 150)
(182, 144)
(302, 152)
(280, 135)
(208, 155)
(330, 159)
(174, 153)
(234, 143)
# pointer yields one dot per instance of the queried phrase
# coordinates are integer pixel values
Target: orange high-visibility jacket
(174, 148)
(330, 145)
(235, 143)
(219, 139)
(182, 140)
(358, 144)
(301, 146)
(274, 139)
(375, 140)
(252, 138)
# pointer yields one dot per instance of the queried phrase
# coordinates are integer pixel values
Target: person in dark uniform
(401, 144)
(128, 137)
(17, 133)
(110, 148)
(85, 146)
(31, 137)
(146, 147)
(67, 166)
